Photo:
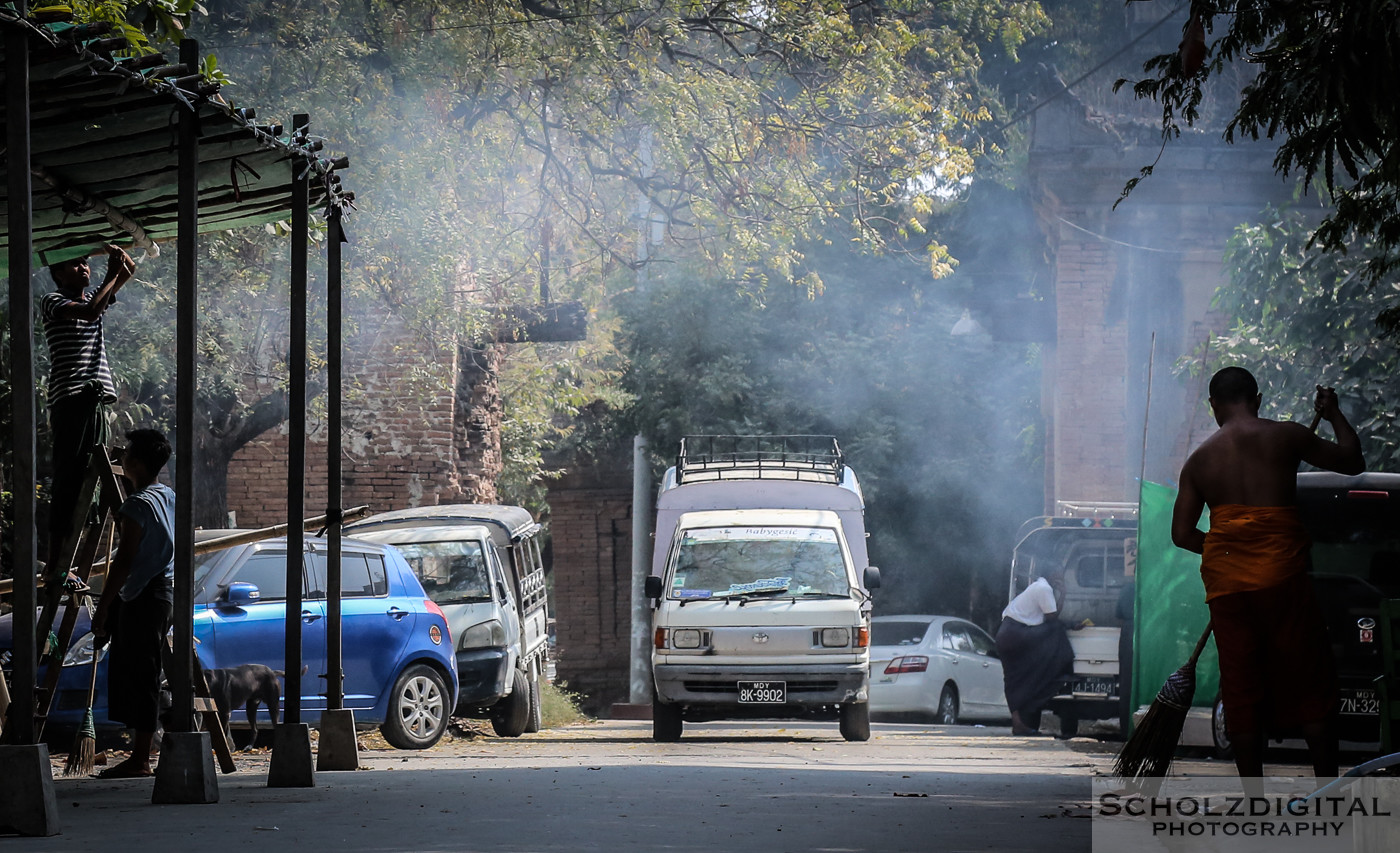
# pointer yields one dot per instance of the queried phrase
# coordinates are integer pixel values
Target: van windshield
(722, 562)
(451, 572)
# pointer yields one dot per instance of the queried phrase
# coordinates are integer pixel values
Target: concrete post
(27, 803)
(336, 747)
(639, 692)
(291, 757)
(185, 774)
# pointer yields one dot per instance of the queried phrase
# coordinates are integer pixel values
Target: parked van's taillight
(907, 663)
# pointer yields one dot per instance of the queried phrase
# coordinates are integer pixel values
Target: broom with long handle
(1148, 753)
(82, 756)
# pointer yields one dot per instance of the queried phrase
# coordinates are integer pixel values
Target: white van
(760, 585)
(481, 564)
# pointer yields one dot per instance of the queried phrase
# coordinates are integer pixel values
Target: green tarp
(1170, 605)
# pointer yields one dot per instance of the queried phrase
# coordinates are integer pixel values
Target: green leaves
(1304, 316)
(1317, 91)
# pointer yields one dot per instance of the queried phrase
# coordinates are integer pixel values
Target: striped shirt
(77, 351)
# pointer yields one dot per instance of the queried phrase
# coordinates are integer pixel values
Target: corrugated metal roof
(103, 132)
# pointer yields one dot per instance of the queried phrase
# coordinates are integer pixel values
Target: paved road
(606, 786)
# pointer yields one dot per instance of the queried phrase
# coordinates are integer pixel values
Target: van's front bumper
(482, 676)
(808, 685)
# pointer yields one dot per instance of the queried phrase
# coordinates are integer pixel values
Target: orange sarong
(1252, 547)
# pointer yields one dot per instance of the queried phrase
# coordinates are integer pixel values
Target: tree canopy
(1318, 90)
(1304, 316)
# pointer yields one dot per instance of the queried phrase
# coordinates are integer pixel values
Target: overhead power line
(1097, 68)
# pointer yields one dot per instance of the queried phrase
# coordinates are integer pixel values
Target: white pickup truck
(481, 564)
(760, 585)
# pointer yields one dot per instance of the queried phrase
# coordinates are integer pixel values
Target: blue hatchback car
(400, 671)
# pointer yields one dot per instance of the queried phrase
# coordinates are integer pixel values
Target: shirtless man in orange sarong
(1276, 668)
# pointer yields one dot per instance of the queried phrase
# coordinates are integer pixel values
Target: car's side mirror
(242, 594)
(872, 577)
(653, 586)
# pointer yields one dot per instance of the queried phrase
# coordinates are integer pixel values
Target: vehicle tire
(418, 709)
(855, 721)
(666, 720)
(511, 715)
(947, 713)
(535, 722)
(1220, 739)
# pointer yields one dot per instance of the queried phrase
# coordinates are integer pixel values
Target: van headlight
(836, 638)
(686, 638)
(81, 652)
(490, 633)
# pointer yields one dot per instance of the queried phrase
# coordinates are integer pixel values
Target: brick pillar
(591, 524)
(477, 426)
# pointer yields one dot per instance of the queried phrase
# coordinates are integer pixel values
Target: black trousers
(138, 630)
(77, 424)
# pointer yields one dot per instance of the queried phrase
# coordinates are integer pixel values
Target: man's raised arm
(1344, 456)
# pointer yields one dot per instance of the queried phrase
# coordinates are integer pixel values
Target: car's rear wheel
(417, 709)
(511, 715)
(855, 721)
(536, 720)
(666, 720)
(947, 713)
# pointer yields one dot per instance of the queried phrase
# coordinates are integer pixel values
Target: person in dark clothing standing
(138, 599)
(1034, 651)
(80, 380)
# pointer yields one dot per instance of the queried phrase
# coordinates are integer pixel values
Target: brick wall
(1132, 287)
(1089, 377)
(416, 432)
(591, 531)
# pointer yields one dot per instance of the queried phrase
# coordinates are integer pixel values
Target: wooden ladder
(78, 554)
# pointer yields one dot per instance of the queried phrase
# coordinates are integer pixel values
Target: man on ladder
(80, 381)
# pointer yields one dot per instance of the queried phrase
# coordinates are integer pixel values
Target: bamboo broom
(83, 754)
(1148, 753)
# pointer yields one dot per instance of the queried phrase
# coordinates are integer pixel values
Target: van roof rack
(812, 458)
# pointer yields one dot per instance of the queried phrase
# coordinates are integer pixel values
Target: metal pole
(335, 672)
(640, 673)
(186, 347)
(19, 724)
(1147, 412)
(296, 453)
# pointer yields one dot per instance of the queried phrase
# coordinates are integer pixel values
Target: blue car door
(374, 624)
(256, 633)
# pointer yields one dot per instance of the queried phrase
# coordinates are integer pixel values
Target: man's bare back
(1253, 461)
